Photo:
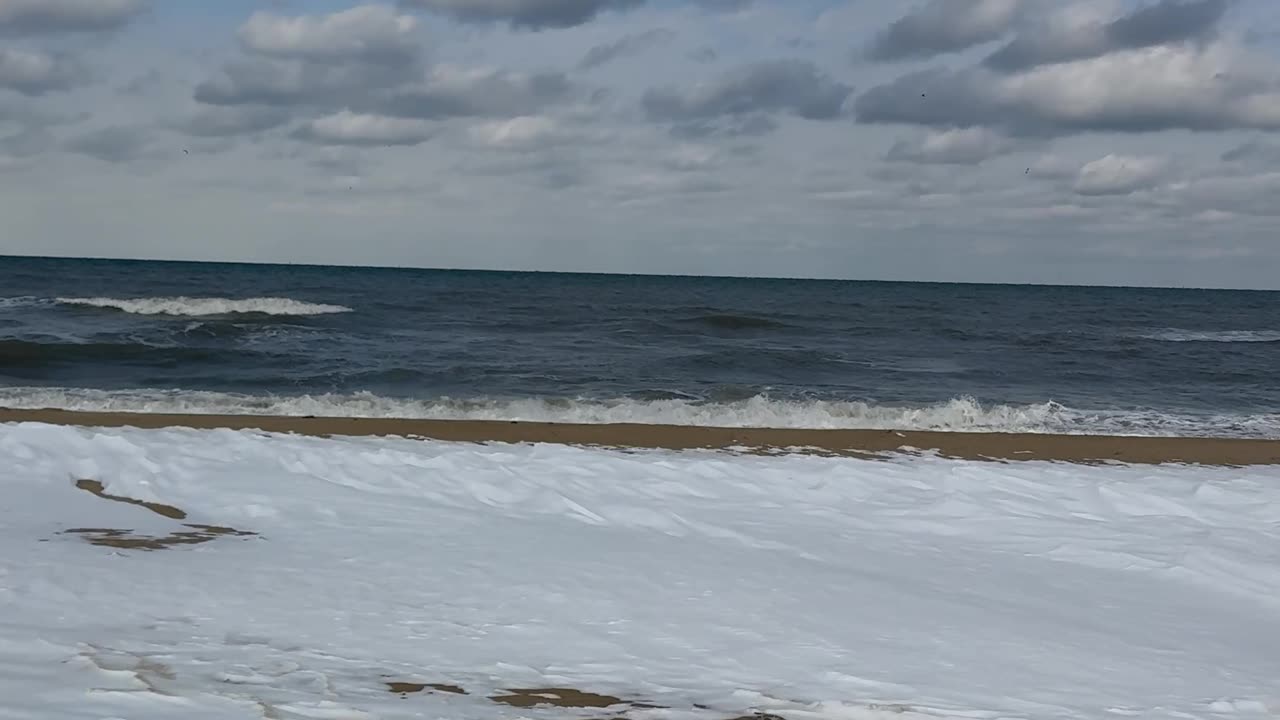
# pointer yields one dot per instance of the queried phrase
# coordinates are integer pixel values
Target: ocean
(308, 340)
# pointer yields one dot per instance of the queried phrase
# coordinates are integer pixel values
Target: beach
(850, 442)
(198, 566)
(240, 492)
(639, 360)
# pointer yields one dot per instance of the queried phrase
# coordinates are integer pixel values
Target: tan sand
(978, 446)
(97, 488)
(409, 688)
(123, 539)
(556, 697)
(572, 698)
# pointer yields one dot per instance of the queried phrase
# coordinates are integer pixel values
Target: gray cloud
(1164, 22)
(625, 46)
(550, 170)
(960, 146)
(372, 33)
(55, 16)
(916, 180)
(1253, 152)
(225, 121)
(725, 5)
(317, 117)
(944, 26)
(1253, 195)
(293, 82)
(745, 125)
(741, 100)
(143, 84)
(337, 160)
(116, 144)
(28, 142)
(527, 14)
(331, 161)
(704, 55)
(1164, 88)
(1053, 167)
(453, 92)
(329, 62)
(24, 114)
(1167, 21)
(36, 73)
(363, 68)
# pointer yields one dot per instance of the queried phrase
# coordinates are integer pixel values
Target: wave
(204, 306)
(724, 321)
(37, 355)
(958, 414)
(1218, 336)
(20, 301)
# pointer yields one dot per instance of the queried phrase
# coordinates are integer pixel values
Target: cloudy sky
(1090, 141)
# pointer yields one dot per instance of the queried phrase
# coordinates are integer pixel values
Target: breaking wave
(22, 301)
(959, 414)
(204, 306)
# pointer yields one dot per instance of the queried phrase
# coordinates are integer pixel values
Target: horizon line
(605, 273)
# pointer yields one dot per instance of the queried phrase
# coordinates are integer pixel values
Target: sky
(1129, 142)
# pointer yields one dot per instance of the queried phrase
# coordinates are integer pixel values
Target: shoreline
(843, 442)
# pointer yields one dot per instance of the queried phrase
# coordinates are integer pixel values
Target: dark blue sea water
(95, 334)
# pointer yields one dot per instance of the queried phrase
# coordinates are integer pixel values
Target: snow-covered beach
(220, 573)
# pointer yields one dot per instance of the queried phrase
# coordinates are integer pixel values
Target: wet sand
(975, 446)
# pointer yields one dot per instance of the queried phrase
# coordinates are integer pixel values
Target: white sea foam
(20, 301)
(960, 414)
(1218, 336)
(202, 306)
(709, 584)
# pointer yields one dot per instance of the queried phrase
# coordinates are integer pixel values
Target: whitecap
(202, 306)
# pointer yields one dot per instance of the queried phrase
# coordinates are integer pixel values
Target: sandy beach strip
(967, 445)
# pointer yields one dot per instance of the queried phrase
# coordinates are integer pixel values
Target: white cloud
(1120, 175)
(526, 131)
(370, 32)
(36, 73)
(349, 128)
(957, 146)
(1213, 87)
(1092, 30)
(652, 136)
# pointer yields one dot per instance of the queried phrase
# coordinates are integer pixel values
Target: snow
(712, 584)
